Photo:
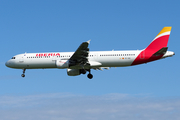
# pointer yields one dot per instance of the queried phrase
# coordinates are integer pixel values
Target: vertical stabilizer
(157, 46)
(160, 41)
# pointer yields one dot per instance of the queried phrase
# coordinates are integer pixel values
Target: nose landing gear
(23, 75)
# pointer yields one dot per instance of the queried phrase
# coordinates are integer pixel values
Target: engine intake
(73, 72)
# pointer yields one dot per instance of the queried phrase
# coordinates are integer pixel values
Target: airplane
(82, 60)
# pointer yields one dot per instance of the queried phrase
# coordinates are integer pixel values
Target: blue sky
(60, 26)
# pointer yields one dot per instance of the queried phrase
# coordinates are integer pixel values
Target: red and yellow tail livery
(159, 44)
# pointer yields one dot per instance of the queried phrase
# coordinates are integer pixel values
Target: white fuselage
(96, 58)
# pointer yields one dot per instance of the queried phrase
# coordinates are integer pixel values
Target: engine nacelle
(62, 63)
(73, 72)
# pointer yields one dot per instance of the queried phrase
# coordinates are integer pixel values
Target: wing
(80, 55)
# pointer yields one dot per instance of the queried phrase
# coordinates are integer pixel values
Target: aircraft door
(21, 59)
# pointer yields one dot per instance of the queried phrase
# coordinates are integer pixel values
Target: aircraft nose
(7, 63)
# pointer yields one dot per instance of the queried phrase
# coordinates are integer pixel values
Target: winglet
(88, 41)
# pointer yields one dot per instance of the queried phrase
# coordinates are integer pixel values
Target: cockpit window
(13, 58)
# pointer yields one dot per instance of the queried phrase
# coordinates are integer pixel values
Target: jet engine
(73, 72)
(62, 64)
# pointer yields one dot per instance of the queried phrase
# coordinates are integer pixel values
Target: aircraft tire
(83, 71)
(23, 75)
(90, 76)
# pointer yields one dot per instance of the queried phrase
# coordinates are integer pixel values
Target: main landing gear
(83, 71)
(23, 75)
(90, 76)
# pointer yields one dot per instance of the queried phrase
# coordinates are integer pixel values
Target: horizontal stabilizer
(162, 51)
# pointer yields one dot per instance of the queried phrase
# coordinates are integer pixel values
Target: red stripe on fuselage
(147, 54)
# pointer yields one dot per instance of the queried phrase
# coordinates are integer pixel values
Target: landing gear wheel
(83, 71)
(23, 75)
(90, 76)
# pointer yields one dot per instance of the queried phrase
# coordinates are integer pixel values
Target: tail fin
(156, 49)
(160, 41)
